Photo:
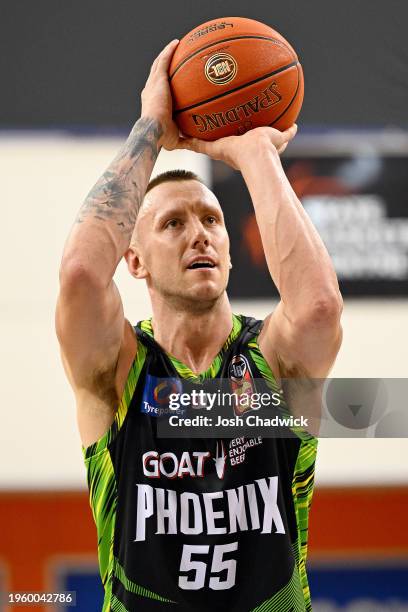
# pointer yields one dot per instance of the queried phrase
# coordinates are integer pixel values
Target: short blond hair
(173, 175)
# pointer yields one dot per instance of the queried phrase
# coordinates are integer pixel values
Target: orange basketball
(233, 74)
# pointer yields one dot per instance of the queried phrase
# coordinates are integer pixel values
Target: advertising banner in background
(354, 188)
(348, 586)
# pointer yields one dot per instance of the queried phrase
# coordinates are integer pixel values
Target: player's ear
(135, 263)
(230, 263)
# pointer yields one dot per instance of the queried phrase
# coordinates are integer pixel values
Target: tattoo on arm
(118, 194)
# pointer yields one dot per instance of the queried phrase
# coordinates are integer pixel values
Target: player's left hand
(238, 150)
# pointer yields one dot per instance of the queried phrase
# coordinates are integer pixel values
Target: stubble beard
(185, 302)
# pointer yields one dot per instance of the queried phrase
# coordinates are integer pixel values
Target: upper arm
(90, 326)
(301, 355)
(304, 348)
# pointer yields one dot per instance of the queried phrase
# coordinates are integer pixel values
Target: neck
(193, 336)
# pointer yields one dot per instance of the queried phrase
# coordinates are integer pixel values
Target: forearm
(296, 256)
(103, 228)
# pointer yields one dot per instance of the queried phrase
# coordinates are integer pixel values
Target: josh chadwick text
(251, 420)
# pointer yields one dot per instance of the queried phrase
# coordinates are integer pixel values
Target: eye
(172, 223)
(211, 220)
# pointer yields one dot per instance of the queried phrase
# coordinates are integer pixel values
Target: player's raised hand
(156, 97)
(238, 150)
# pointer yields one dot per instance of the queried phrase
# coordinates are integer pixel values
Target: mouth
(200, 264)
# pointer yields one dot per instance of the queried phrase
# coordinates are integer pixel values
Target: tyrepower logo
(155, 400)
(193, 464)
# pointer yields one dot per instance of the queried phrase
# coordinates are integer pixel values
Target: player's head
(180, 243)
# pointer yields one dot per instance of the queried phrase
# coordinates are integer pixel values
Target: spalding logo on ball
(234, 74)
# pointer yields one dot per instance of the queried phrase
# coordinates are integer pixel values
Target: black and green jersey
(192, 524)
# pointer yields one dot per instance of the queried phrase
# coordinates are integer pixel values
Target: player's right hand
(156, 97)
(239, 151)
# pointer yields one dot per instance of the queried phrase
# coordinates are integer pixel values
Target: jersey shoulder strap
(250, 327)
(159, 363)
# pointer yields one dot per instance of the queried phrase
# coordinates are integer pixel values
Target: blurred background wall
(71, 75)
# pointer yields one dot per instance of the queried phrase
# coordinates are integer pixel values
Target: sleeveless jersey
(197, 525)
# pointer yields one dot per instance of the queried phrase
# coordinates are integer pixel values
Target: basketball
(231, 75)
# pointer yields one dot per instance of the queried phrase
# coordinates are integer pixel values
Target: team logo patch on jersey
(238, 367)
(241, 383)
(156, 392)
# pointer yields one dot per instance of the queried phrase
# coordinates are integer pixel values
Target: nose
(200, 235)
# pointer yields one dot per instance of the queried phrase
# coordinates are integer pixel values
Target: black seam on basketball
(217, 42)
(290, 103)
(226, 93)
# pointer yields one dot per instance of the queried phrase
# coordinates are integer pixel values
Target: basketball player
(192, 524)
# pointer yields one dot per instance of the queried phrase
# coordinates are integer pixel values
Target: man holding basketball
(180, 525)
